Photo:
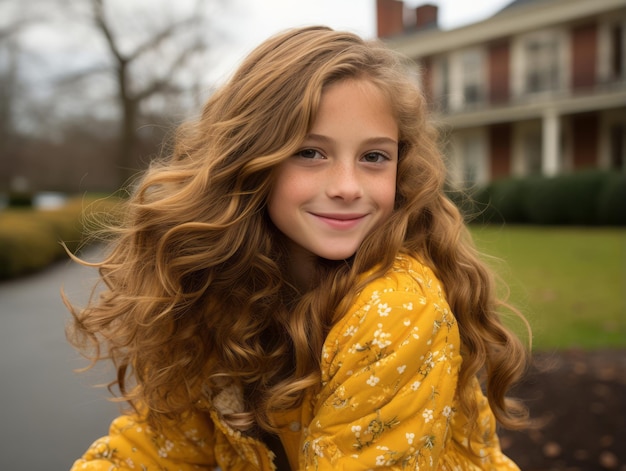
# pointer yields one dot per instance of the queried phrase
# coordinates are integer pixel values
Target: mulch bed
(582, 397)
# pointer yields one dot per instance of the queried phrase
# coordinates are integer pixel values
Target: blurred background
(530, 99)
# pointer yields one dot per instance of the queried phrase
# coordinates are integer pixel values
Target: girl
(291, 289)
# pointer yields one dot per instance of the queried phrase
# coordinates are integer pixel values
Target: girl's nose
(343, 181)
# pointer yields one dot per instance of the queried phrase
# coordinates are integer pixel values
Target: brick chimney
(391, 20)
(426, 16)
(389, 17)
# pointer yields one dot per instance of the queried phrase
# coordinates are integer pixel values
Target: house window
(617, 51)
(532, 153)
(542, 64)
(474, 165)
(472, 63)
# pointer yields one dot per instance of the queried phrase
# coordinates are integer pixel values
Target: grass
(569, 282)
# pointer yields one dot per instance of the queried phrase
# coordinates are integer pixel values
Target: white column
(455, 71)
(550, 152)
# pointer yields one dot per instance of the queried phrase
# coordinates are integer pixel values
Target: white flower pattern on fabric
(381, 339)
(373, 380)
(383, 310)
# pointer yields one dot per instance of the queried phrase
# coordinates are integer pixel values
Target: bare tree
(151, 61)
(13, 22)
(173, 40)
(8, 87)
(95, 63)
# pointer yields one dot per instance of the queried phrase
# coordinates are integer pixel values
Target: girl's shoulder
(407, 295)
(403, 312)
(407, 276)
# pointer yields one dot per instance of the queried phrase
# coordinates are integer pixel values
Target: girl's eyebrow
(381, 140)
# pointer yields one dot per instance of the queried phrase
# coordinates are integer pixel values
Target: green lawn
(569, 282)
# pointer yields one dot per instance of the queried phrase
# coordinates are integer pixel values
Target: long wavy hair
(196, 291)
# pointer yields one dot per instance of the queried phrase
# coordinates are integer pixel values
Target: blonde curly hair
(196, 288)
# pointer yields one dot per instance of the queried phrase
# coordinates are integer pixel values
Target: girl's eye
(374, 157)
(309, 154)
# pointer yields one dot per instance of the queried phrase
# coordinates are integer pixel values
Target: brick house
(538, 88)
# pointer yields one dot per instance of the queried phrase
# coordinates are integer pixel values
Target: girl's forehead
(365, 83)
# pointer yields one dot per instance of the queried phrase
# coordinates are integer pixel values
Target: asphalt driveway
(48, 413)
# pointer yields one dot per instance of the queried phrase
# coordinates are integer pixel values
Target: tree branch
(155, 41)
(164, 83)
(81, 75)
(103, 26)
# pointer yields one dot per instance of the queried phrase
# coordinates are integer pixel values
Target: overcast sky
(255, 20)
(357, 15)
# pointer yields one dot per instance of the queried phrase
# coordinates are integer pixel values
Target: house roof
(517, 17)
(517, 3)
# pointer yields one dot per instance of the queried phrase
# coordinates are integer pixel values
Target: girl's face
(342, 183)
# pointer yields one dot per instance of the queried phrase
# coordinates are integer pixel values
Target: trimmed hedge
(612, 201)
(20, 200)
(586, 198)
(31, 239)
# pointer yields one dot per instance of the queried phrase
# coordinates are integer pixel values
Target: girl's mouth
(340, 221)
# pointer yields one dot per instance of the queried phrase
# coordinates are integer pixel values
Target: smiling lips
(340, 221)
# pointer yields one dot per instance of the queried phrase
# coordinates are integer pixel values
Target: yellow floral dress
(387, 400)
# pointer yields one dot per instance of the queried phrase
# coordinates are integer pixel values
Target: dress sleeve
(389, 376)
(132, 445)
